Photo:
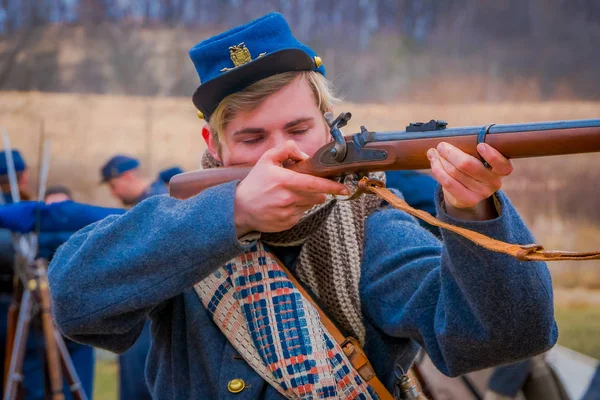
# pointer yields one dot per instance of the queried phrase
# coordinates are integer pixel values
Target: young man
(7, 251)
(225, 318)
(122, 176)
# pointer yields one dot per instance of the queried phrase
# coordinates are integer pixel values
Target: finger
(460, 196)
(304, 183)
(500, 164)
(466, 163)
(292, 199)
(311, 199)
(278, 155)
(484, 189)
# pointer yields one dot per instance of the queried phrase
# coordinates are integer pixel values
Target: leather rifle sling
(349, 345)
(527, 252)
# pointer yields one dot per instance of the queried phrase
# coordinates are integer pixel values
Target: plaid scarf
(272, 326)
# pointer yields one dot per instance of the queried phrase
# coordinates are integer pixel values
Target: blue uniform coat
(468, 307)
(132, 381)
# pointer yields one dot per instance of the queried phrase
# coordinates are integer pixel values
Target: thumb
(289, 151)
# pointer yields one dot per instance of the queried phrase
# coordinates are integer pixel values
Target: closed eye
(300, 131)
(253, 141)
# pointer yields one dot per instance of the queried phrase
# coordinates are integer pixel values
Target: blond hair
(250, 98)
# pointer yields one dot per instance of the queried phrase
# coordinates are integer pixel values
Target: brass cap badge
(240, 55)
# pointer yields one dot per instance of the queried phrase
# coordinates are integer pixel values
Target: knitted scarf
(273, 327)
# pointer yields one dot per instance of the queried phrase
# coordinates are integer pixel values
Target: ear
(208, 136)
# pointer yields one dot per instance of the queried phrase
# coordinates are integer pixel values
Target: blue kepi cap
(17, 159)
(116, 166)
(235, 59)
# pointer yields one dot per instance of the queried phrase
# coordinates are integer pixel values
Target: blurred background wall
(376, 50)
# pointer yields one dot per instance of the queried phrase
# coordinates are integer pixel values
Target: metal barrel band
(481, 139)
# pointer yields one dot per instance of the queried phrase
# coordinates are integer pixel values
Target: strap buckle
(358, 358)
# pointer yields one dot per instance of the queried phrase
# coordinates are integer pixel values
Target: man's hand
(466, 182)
(272, 198)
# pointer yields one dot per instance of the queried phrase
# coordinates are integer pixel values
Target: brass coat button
(236, 385)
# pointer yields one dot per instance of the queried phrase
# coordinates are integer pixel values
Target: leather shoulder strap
(349, 345)
(527, 252)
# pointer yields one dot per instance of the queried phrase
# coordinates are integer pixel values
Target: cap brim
(208, 95)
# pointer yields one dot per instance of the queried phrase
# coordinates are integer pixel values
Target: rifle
(369, 151)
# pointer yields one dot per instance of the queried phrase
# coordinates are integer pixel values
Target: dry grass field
(558, 196)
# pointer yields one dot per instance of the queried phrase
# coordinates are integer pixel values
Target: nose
(278, 139)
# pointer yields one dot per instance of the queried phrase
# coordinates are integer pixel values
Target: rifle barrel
(474, 130)
(513, 141)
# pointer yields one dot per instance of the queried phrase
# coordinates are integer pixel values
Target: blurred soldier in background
(33, 368)
(122, 175)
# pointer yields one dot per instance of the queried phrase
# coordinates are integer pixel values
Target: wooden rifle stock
(406, 150)
(188, 184)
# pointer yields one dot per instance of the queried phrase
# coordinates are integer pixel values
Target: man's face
(291, 113)
(121, 188)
